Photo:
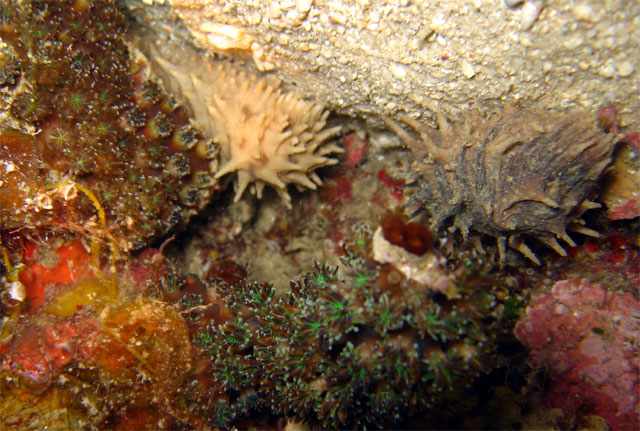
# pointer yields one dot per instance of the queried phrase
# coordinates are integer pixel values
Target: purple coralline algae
(588, 338)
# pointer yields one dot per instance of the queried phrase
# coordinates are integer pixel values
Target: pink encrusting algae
(588, 339)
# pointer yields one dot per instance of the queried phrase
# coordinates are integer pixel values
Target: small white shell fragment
(428, 269)
(584, 12)
(303, 6)
(9, 167)
(608, 71)
(530, 11)
(224, 36)
(17, 291)
(398, 70)
(625, 69)
(467, 69)
(43, 202)
(382, 141)
(69, 191)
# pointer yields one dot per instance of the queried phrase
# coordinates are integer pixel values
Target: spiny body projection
(520, 173)
(267, 136)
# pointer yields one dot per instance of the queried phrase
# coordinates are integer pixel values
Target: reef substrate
(90, 141)
(339, 311)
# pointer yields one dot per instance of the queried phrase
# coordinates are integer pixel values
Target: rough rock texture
(366, 58)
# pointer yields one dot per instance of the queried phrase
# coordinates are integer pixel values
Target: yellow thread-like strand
(5, 259)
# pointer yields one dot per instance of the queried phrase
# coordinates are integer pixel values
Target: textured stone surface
(366, 58)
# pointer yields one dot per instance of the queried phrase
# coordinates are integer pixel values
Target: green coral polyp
(336, 352)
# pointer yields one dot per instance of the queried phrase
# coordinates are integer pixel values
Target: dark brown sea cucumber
(520, 173)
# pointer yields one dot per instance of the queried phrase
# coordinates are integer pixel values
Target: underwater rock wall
(93, 152)
(366, 58)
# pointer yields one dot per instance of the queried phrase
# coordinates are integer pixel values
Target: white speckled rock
(365, 58)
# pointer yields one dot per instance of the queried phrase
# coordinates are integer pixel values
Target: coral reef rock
(267, 135)
(515, 174)
(366, 58)
(90, 142)
(587, 337)
(621, 194)
(84, 348)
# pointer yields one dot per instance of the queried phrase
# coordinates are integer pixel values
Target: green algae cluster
(78, 106)
(349, 347)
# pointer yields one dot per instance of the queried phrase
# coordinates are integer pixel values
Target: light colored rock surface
(368, 58)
